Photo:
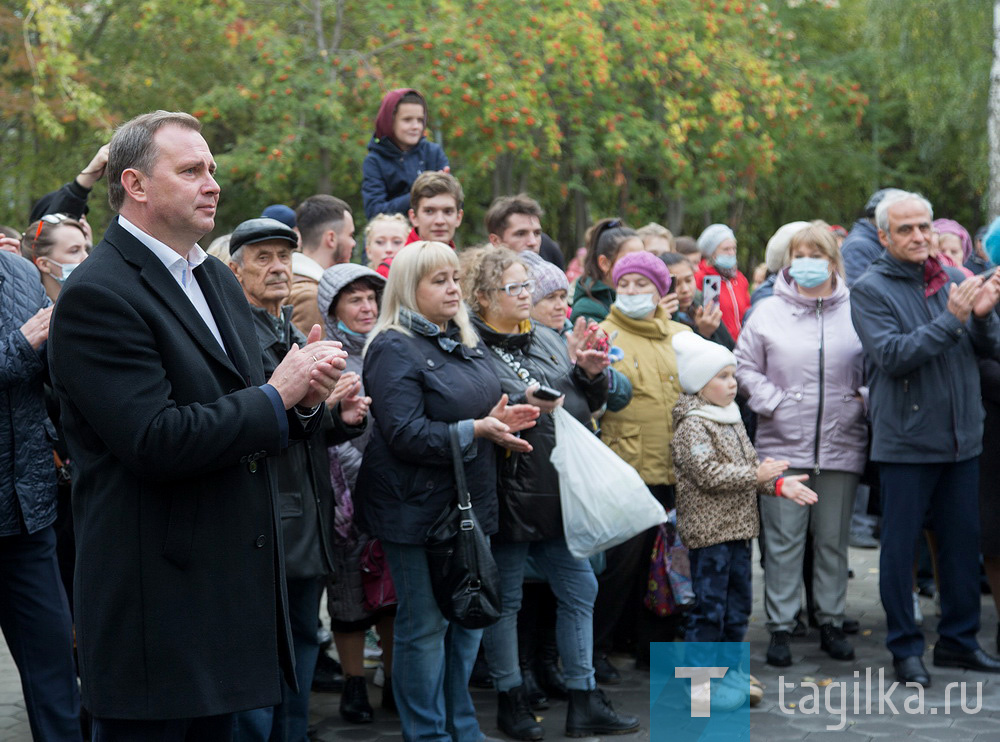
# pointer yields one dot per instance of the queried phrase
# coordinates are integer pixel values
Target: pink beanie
(646, 264)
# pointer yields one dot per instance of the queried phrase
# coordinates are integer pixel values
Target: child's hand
(769, 469)
(793, 489)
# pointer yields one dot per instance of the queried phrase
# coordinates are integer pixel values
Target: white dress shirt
(180, 268)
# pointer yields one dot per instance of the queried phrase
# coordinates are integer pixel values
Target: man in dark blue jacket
(922, 326)
(861, 246)
(34, 613)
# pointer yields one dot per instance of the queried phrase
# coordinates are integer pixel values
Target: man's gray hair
(132, 147)
(895, 196)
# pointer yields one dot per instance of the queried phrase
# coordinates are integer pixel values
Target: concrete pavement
(766, 722)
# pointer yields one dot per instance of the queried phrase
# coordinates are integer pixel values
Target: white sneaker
(720, 697)
(746, 683)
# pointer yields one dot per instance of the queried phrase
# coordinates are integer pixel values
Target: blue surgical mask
(635, 306)
(726, 262)
(809, 272)
(67, 268)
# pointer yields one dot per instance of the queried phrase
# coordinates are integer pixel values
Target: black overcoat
(179, 591)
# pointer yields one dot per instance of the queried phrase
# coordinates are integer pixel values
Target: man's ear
(330, 239)
(413, 218)
(494, 239)
(461, 213)
(235, 268)
(134, 183)
(883, 238)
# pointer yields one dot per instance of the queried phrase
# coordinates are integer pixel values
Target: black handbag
(464, 576)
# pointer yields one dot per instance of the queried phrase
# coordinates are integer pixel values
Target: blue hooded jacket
(388, 172)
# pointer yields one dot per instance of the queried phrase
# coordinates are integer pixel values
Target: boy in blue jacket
(398, 153)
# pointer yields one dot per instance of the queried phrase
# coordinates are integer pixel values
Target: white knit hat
(698, 360)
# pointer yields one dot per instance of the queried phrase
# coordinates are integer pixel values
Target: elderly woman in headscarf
(955, 243)
(348, 297)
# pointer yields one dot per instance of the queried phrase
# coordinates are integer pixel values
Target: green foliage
(679, 111)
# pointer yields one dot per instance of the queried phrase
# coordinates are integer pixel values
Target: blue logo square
(696, 691)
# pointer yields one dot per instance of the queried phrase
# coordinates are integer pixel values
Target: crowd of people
(199, 444)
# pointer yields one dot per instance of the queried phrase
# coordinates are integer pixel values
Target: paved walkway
(766, 722)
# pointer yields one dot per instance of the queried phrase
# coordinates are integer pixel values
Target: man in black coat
(181, 613)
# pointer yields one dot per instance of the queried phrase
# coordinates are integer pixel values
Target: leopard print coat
(717, 487)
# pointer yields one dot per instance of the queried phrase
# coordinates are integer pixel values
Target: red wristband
(778, 485)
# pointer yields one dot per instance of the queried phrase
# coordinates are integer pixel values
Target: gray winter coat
(925, 400)
(27, 470)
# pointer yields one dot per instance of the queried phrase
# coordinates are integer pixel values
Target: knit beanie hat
(698, 360)
(547, 277)
(777, 246)
(645, 264)
(713, 236)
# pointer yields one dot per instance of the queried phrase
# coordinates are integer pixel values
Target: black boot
(388, 700)
(592, 715)
(354, 706)
(329, 676)
(514, 716)
(604, 672)
(536, 696)
(547, 670)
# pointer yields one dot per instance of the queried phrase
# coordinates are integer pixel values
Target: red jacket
(734, 296)
(383, 267)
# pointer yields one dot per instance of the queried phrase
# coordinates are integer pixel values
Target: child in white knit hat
(718, 479)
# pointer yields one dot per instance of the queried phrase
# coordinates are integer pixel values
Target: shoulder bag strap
(464, 502)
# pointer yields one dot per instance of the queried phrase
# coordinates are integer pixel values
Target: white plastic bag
(604, 500)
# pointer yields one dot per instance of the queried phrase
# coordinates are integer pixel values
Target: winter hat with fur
(777, 246)
(698, 360)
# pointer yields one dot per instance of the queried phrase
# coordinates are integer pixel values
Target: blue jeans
(432, 657)
(34, 617)
(723, 590)
(289, 721)
(575, 587)
(948, 496)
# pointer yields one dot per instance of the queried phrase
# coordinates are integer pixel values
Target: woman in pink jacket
(802, 366)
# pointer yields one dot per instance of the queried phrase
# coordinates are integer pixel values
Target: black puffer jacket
(305, 495)
(529, 486)
(27, 470)
(418, 388)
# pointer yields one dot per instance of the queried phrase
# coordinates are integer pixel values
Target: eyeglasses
(52, 219)
(516, 289)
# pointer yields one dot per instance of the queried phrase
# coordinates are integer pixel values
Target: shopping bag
(604, 500)
(670, 590)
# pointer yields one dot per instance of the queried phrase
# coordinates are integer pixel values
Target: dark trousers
(946, 496)
(203, 729)
(34, 617)
(619, 615)
(723, 591)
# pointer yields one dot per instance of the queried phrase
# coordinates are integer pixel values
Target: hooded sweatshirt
(388, 172)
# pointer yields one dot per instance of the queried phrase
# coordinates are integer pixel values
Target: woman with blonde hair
(802, 366)
(427, 371)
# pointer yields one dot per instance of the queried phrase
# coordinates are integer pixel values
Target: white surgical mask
(67, 268)
(635, 306)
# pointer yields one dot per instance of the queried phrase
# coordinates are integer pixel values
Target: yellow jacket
(642, 432)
